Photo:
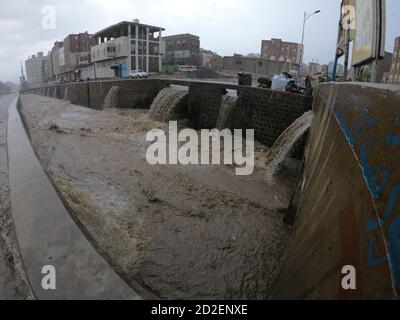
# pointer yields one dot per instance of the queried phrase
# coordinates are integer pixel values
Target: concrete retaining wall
(131, 93)
(349, 212)
(268, 112)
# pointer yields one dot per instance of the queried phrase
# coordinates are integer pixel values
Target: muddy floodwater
(178, 232)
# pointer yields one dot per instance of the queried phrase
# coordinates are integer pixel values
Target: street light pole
(306, 17)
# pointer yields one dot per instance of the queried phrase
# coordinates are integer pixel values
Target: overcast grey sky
(224, 26)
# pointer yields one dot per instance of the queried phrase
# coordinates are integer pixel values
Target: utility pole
(346, 55)
(306, 17)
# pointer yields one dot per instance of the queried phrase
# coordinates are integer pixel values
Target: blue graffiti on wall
(392, 235)
(355, 133)
(397, 118)
(376, 177)
(393, 140)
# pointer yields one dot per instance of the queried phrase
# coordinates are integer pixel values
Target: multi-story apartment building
(394, 76)
(108, 54)
(111, 52)
(182, 49)
(313, 68)
(124, 47)
(35, 69)
(57, 59)
(281, 51)
(66, 57)
(75, 52)
(48, 68)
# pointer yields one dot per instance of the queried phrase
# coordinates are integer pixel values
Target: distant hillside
(4, 89)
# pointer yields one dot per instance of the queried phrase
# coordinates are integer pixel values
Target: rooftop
(280, 40)
(116, 28)
(181, 36)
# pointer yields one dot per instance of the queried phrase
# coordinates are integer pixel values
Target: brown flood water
(181, 232)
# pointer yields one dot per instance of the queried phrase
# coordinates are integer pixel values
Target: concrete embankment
(48, 236)
(13, 281)
(349, 211)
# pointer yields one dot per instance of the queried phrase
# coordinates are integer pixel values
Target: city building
(313, 68)
(123, 47)
(56, 58)
(48, 68)
(23, 84)
(385, 66)
(35, 69)
(254, 55)
(339, 68)
(281, 51)
(324, 70)
(181, 50)
(211, 60)
(238, 63)
(75, 52)
(394, 76)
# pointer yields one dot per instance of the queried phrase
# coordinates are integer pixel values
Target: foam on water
(286, 142)
(227, 104)
(167, 103)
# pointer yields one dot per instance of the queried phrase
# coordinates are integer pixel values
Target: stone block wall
(268, 112)
(78, 94)
(131, 93)
(204, 104)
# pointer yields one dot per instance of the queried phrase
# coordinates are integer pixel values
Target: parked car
(138, 74)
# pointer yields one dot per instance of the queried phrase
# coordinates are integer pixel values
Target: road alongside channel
(13, 282)
(48, 236)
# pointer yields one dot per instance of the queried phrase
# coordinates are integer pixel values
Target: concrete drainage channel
(46, 233)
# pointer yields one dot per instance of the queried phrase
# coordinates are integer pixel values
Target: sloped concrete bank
(13, 281)
(349, 211)
(47, 236)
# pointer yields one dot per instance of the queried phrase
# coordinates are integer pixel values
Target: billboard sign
(370, 30)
